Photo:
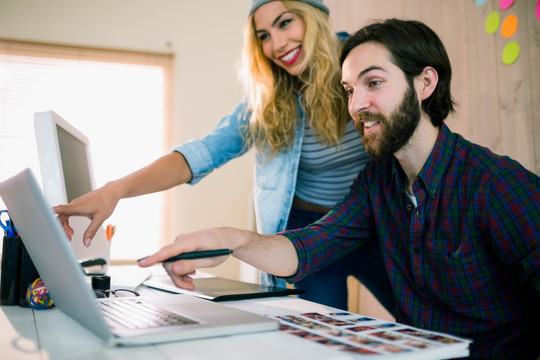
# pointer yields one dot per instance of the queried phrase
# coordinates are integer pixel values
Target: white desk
(50, 334)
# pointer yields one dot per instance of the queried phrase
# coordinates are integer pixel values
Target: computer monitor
(67, 173)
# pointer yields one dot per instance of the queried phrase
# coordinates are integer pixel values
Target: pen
(196, 255)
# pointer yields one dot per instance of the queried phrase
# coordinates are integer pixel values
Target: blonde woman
(307, 149)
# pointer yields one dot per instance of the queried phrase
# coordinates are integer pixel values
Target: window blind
(120, 100)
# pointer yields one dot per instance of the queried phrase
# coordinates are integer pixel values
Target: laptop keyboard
(128, 280)
(133, 313)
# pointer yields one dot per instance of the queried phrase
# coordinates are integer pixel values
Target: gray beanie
(255, 4)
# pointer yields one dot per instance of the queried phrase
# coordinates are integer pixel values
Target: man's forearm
(274, 254)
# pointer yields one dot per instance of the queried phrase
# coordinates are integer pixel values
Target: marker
(196, 255)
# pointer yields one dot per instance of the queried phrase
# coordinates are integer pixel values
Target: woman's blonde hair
(270, 88)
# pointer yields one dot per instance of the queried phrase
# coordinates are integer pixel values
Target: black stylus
(197, 255)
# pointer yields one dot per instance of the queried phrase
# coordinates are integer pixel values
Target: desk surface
(50, 334)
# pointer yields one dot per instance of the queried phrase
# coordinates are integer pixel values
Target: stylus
(197, 255)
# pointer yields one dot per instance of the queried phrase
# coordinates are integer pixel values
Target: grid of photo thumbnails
(364, 335)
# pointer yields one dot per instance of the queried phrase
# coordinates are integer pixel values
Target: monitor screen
(75, 164)
(64, 158)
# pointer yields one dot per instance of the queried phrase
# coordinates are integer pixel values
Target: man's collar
(432, 173)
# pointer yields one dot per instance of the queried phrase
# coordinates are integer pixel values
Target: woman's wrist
(115, 190)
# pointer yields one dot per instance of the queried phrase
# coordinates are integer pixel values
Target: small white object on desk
(127, 277)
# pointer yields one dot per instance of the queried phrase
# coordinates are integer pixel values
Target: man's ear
(426, 82)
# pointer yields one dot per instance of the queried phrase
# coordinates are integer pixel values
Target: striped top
(326, 173)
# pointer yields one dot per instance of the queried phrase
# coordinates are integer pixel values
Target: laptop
(55, 260)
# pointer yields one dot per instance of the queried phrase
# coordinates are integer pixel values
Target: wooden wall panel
(481, 52)
(514, 86)
(533, 33)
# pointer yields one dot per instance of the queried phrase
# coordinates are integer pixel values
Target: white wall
(205, 37)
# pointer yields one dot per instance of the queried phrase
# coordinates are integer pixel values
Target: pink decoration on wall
(505, 4)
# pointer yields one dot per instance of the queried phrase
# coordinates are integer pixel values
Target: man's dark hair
(413, 46)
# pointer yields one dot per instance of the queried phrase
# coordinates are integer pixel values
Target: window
(119, 100)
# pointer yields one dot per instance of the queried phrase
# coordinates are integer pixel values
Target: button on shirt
(465, 260)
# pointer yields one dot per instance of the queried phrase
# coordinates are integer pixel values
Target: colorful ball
(37, 296)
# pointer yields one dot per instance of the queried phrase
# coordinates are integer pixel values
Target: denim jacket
(275, 179)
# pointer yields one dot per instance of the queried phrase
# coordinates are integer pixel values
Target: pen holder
(11, 270)
(29, 274)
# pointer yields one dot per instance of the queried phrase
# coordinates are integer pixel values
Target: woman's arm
(190, 162)
(168, 171)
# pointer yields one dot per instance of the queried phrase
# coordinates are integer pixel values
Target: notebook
(55, 260)
(220, 289)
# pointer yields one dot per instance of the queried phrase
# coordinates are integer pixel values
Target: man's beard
(396, 130)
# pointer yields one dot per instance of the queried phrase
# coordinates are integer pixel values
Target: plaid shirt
(465, 261)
